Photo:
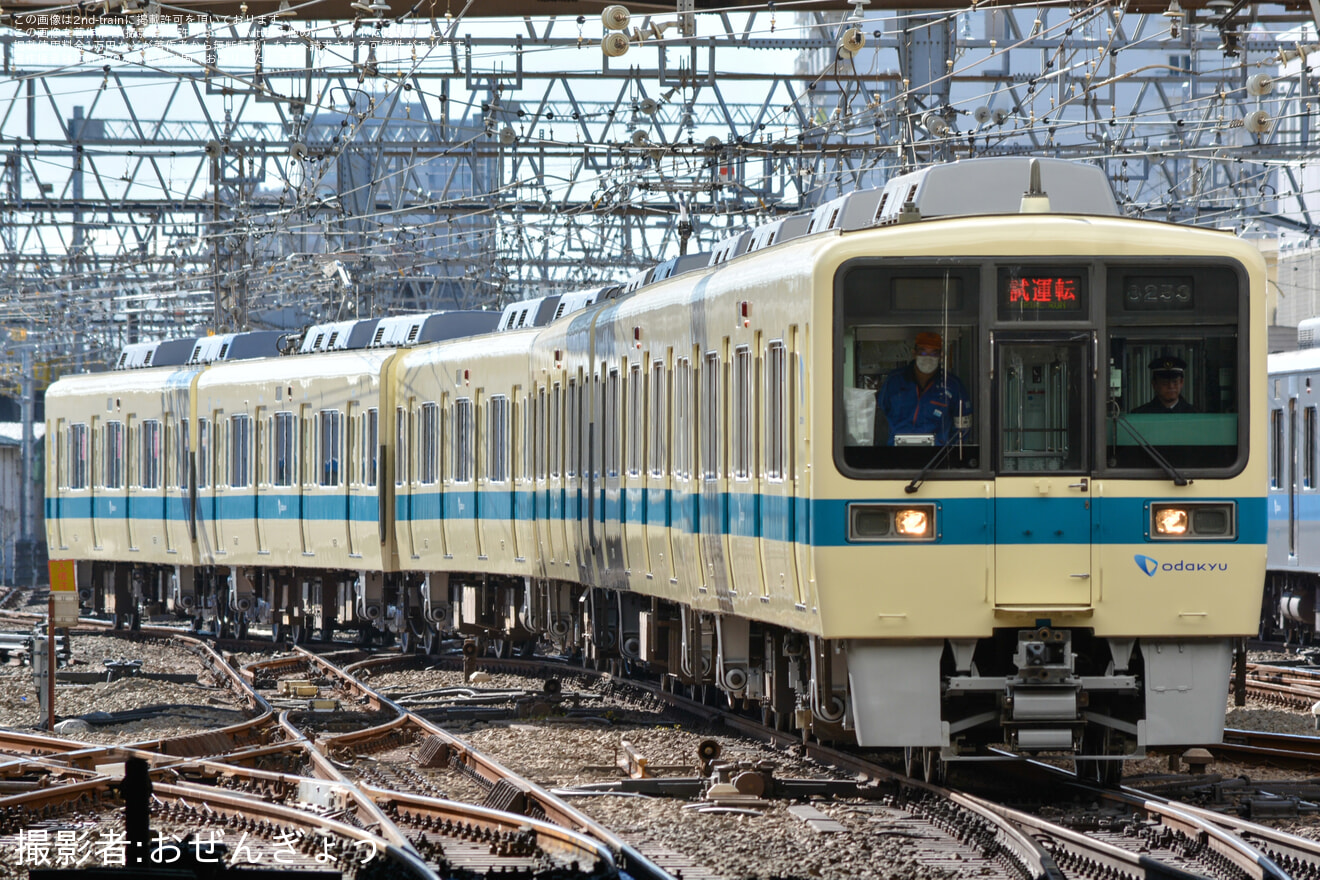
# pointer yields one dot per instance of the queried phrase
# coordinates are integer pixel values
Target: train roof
(166, 353)
(338, 336)
(1306, 359)
(345, 362)
(236, 346)
(408, 330)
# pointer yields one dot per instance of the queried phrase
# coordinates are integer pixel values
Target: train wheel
(1108, 774)
(276, 630)
(297, 634)
(933, 768)
(501, 648)
(407, 641)
(430, 639)
(911, 760)
(241, 627)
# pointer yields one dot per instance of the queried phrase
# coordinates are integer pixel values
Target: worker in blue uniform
(921, 399)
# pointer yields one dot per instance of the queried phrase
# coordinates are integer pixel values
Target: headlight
(1171, 521)
(891, 522)
(912, 523)
(1193, 520)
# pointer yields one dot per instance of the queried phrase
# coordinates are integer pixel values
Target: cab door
(1043, 511)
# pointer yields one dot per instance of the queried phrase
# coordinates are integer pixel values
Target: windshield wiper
(1173, 473)
(935, 460)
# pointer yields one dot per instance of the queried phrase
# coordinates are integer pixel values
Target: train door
(657, 491)
(57, 474)
(539, 438)
(96, 443)
(350, 455)
(1043, 511)
(522, 515)
(260, 477)
(132, 468)
(713, 497)
(305, 478)
(1290, 450)
(799, 458)
(684, 531)
(777, 477)
(169, 439)
(611, 512)
(406, 470)
(229, 514)
(557, 502)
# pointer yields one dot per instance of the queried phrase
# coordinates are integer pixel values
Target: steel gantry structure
(166, 173)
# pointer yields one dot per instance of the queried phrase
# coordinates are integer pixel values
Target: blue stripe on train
(822, 523)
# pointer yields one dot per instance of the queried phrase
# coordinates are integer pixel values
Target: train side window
(285, 448)
(78, 455)
(1276, 449)
(149, 456)
(240, 459)
(711, 424)
(573, 429)
(400, 446)
(463, 440)
(683, 429)
(497, 438)
(542, 435)
(371, 437)
(774, 411)
(657, 453)
(1308, 447)
(114, 455)
(611, 413)
(428, 434)
(636, 394)
(203, 453)
(330, 423)
(556, 428)
(740, 404)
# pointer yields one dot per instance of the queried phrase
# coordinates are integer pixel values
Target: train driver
(1166, 378)
(921, 399)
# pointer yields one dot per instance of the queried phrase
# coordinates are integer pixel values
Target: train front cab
(1066, 573)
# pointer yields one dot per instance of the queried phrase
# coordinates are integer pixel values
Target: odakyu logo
(1150, 565)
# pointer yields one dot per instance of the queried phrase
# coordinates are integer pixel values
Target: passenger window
(372, 439)
(774, 411)
(285, 444)
(906, 347)
(1308, 447)
(497, 434)
(150, 454)
(78, 455)
(331, 429)
(114, 455)
(240, 467)
(203, 453)
(463, 440)
(659, 400)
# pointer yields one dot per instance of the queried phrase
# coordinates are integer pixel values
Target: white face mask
(927, 363)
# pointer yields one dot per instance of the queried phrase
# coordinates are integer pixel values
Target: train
(889, 471)
(1292, 579)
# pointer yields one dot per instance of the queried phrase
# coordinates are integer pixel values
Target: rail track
(329, 768)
